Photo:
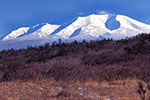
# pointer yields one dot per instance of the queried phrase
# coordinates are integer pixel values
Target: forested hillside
(97, 60)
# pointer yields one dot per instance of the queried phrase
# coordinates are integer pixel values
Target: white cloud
(103, 12)
(81, 13)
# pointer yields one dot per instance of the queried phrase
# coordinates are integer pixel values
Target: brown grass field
(58, 90)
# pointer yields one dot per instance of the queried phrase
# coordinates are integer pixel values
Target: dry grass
(119, 66)
(59, 90)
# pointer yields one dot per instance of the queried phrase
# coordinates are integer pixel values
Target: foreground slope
(96, 70)
(60, 90)
(97, 60)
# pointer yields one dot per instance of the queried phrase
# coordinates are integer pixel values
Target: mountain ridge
(92, 27)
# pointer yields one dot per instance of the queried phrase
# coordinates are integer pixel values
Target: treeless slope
(60, 90)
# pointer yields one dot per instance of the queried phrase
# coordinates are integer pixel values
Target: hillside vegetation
(95, 61)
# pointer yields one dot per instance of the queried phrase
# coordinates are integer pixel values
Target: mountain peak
(14, 34)
(91, 27)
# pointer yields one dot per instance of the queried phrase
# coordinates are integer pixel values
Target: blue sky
(19, 13)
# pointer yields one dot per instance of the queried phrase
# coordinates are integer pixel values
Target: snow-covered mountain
(30, 33)
(14, 34)
(91, 27)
